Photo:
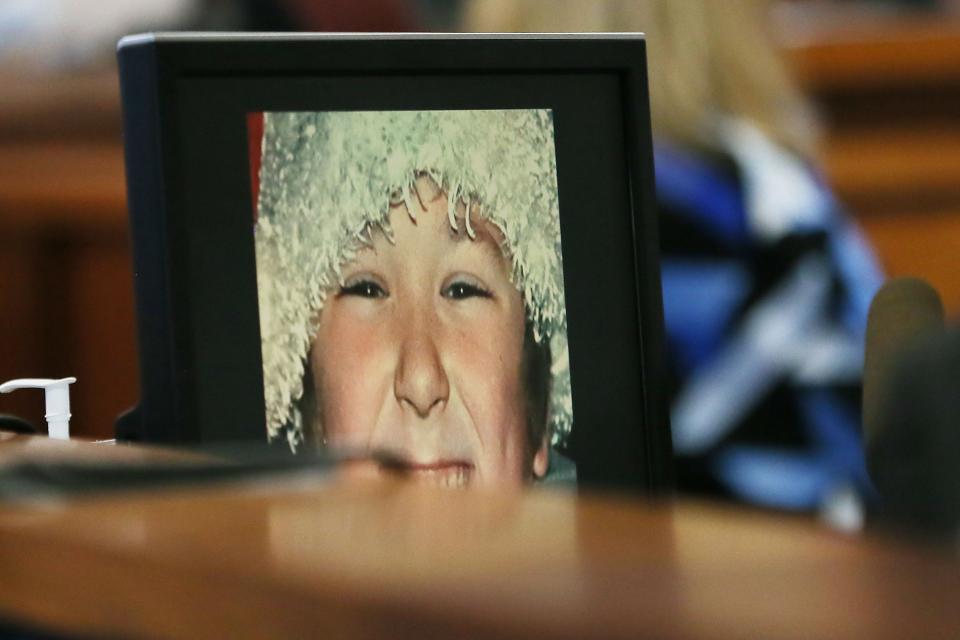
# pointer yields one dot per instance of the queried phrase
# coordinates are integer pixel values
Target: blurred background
(855, 102)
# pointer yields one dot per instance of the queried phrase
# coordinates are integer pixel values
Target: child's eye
(364, 289)
(461, 289)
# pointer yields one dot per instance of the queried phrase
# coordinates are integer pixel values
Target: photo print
(411, 292)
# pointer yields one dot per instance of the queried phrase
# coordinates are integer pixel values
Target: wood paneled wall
(888, 88)
(66, 293)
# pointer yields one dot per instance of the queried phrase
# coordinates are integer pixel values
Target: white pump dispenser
(58, 401)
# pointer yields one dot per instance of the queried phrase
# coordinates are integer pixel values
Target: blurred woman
(765, 283)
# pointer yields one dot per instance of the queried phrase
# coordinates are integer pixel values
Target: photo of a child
(410, 285)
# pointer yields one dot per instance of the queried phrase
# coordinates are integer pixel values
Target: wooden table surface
(359, 559)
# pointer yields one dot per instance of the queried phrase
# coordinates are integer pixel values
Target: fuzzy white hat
(326, 180)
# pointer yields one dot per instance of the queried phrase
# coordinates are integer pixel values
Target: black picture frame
(185, 98)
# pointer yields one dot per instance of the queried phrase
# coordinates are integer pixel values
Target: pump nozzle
(58, 401)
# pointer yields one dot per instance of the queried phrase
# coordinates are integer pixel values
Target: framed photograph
(442, 248)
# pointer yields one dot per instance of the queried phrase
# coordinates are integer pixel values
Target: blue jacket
(766, 287)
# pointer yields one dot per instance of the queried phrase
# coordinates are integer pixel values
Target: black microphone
(911, 407)
(903, 312)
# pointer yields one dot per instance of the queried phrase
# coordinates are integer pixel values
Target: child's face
(420, 352)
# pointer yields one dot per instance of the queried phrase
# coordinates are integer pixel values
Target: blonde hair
(705, 58)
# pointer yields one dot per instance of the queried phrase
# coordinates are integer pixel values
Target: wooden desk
(359, 560)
